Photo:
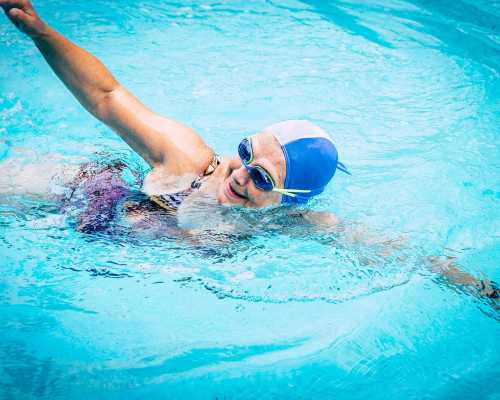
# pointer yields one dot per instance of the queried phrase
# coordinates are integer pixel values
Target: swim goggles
(259, 176)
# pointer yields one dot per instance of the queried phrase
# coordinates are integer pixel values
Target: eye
(261, 178)
(245, 151)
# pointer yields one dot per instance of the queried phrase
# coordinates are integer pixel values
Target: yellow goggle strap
(290, 192)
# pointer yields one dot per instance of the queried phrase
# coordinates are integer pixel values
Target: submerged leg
(27, 173)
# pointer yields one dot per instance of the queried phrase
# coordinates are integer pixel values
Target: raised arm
(162, 142)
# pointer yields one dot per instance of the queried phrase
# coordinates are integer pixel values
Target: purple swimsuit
(99, 192)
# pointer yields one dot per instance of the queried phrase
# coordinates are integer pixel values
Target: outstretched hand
(23, 16)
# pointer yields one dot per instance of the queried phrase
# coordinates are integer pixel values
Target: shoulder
(321, 219)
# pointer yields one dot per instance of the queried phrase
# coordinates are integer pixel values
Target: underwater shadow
(468, 30)
(335, 13)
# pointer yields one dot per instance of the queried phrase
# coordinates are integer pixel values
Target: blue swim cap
(310, 155)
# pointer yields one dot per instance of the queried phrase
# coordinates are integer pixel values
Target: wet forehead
(268, 154)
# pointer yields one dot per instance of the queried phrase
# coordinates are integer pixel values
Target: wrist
(42, 32)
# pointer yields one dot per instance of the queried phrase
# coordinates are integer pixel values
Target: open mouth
(233, 193)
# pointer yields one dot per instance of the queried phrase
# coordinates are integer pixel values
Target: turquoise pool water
(409, 90)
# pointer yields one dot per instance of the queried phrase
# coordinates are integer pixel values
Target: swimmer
(286, 163)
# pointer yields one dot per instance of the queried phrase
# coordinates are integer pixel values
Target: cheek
(220, 192)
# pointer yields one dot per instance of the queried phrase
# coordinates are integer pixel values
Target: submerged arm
(162, 142)
(452, 274)
(446, 267)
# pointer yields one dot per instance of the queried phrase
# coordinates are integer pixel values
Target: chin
(221, 198)
(224, 201)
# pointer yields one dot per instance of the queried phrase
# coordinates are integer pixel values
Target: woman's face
(238, 189)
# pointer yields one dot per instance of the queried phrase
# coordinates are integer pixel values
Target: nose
(240, 176)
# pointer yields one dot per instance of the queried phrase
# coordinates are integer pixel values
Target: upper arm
(312, 222)
(321, 219)
(354, 233)
(160, 141)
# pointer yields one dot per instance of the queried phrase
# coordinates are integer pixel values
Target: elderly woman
(288, 162)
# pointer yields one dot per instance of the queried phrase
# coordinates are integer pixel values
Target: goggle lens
(245, 151)
(260, 178)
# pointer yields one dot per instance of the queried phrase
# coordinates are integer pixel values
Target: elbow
(103, 106)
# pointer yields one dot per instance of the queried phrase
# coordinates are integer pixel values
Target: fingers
(7, 5)
(16, 15)
(23, 16)
(14, 12)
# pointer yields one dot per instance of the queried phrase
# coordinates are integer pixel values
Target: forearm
(84, 75)
(446, 267)
(162, 142)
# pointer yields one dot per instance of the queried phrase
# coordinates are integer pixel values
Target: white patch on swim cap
(294, 129)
